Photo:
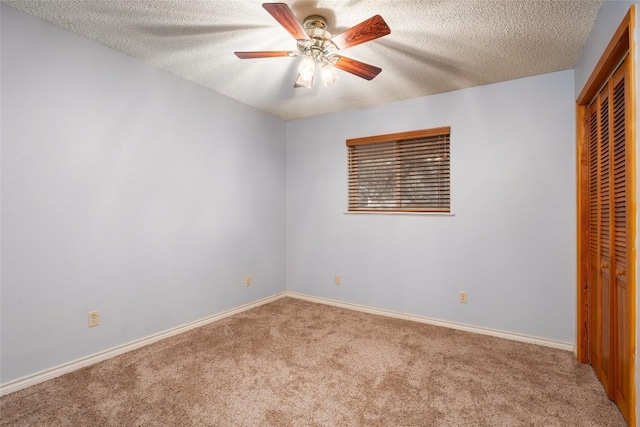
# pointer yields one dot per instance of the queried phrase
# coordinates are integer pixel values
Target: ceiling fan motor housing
(319, 45)
(314, 23)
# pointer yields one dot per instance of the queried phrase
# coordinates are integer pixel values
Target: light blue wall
(609, 18)
(511, 242)
(128, 190)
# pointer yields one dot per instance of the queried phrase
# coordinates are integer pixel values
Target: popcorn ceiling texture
(434, 46)
(296, 363)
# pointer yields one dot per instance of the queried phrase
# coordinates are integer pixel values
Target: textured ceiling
(434, 46)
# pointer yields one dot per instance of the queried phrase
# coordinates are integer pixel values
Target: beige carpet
(295, 363)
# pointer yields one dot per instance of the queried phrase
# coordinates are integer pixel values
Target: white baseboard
(568, 346)
(57, 371)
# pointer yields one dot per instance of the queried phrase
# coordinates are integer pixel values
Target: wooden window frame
(435, 205)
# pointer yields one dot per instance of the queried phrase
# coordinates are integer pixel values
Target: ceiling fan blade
(286, 18)
(365, 31)
(357, 68)
(263, 54)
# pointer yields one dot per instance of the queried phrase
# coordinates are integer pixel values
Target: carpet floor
(297, 363)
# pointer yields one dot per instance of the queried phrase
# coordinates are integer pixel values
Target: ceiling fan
(318, 47)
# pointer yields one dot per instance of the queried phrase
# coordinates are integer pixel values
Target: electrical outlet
(247, 281)
(94, 318)
(338, 280)
(462, 297)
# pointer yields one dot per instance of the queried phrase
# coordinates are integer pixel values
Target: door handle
(620, 272)
(604, 265)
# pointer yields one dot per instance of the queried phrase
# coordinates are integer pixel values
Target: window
(400, 172)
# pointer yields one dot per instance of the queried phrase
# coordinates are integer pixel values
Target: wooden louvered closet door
(620, 241)
(599, 292)
(609, 320)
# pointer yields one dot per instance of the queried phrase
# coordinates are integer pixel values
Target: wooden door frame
(621, 42)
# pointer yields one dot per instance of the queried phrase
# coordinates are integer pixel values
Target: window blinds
(404, 172)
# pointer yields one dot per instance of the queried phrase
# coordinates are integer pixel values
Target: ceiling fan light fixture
(306, 72)
(328, 74)
(304, 81)
(308, 66)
